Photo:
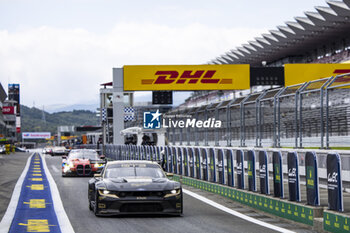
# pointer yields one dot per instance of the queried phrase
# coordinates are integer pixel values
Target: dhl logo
(187, 77)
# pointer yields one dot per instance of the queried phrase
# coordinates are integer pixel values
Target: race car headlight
(172, 193)
(106, 192)
(98, 165)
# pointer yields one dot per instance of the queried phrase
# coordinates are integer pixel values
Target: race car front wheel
(90, 206)
(96, 205)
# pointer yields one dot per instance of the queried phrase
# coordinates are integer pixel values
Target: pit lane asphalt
(11, 167)
(197, 217)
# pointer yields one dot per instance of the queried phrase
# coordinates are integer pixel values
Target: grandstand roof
(310, 32)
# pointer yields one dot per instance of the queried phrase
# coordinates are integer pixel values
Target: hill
(32, 119)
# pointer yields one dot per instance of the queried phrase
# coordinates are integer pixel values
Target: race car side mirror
(102, 156)
(64, 157)
(97, 175)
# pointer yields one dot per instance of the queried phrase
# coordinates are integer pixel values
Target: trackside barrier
(198, 163)
(335, 189)
(191, 161)
(204, 155)
(277, 174)
(240, 169)
(212, 165)
(165, 158)
(221, 166)
(134, 155)
(157, 151)
(251, 171)
(180, 161)
(170, 160)
(122, 152)
(129, 152)
(264, 173)
(311, 172)
(153, 153)
(143, 153)
(186, 164)
(293, 177)
(139, 157)
(212, 169)
(174, 160)
(147, 152)
(230, 168)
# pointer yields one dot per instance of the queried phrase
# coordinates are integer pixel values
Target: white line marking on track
(235, 213)
(55, 169)
(6, 221)
(63, 220)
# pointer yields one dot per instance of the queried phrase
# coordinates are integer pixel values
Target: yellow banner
(186, 77)
(300, 73)
(67, 137)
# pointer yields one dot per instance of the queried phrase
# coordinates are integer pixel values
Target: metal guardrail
(298, 112)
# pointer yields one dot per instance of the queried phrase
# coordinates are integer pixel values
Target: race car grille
(141, 207)
(87, 170)
(80, 170)
(141, 194)
(83, 170)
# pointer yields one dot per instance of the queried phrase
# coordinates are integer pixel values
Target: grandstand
(322, 36)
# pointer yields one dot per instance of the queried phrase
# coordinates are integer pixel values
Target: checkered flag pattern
(129, 114)
(104, 114)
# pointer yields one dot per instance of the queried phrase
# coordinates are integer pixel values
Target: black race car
(134, 187)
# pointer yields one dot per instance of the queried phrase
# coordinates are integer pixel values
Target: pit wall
(309, 215)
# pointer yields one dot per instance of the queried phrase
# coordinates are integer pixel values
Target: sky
(60, 51)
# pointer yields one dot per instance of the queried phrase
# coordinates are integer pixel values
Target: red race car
(82, 162)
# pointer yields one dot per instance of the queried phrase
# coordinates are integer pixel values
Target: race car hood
(80, 161)
(139, 184)
(86, 161)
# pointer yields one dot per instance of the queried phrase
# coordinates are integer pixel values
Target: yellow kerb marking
(36, 165)
(37, 225)
(36, 174)
(36, 187)
(36, 203)
(37, 179)
(37, 168)
(36, 159)
(36, 162)
(37, 171)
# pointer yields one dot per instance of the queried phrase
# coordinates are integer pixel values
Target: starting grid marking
(35, 212)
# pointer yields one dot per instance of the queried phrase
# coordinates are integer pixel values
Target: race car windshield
(134, 171)
(84, 155)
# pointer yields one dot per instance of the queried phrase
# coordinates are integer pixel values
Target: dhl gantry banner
(300, 73)
(186, 77)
